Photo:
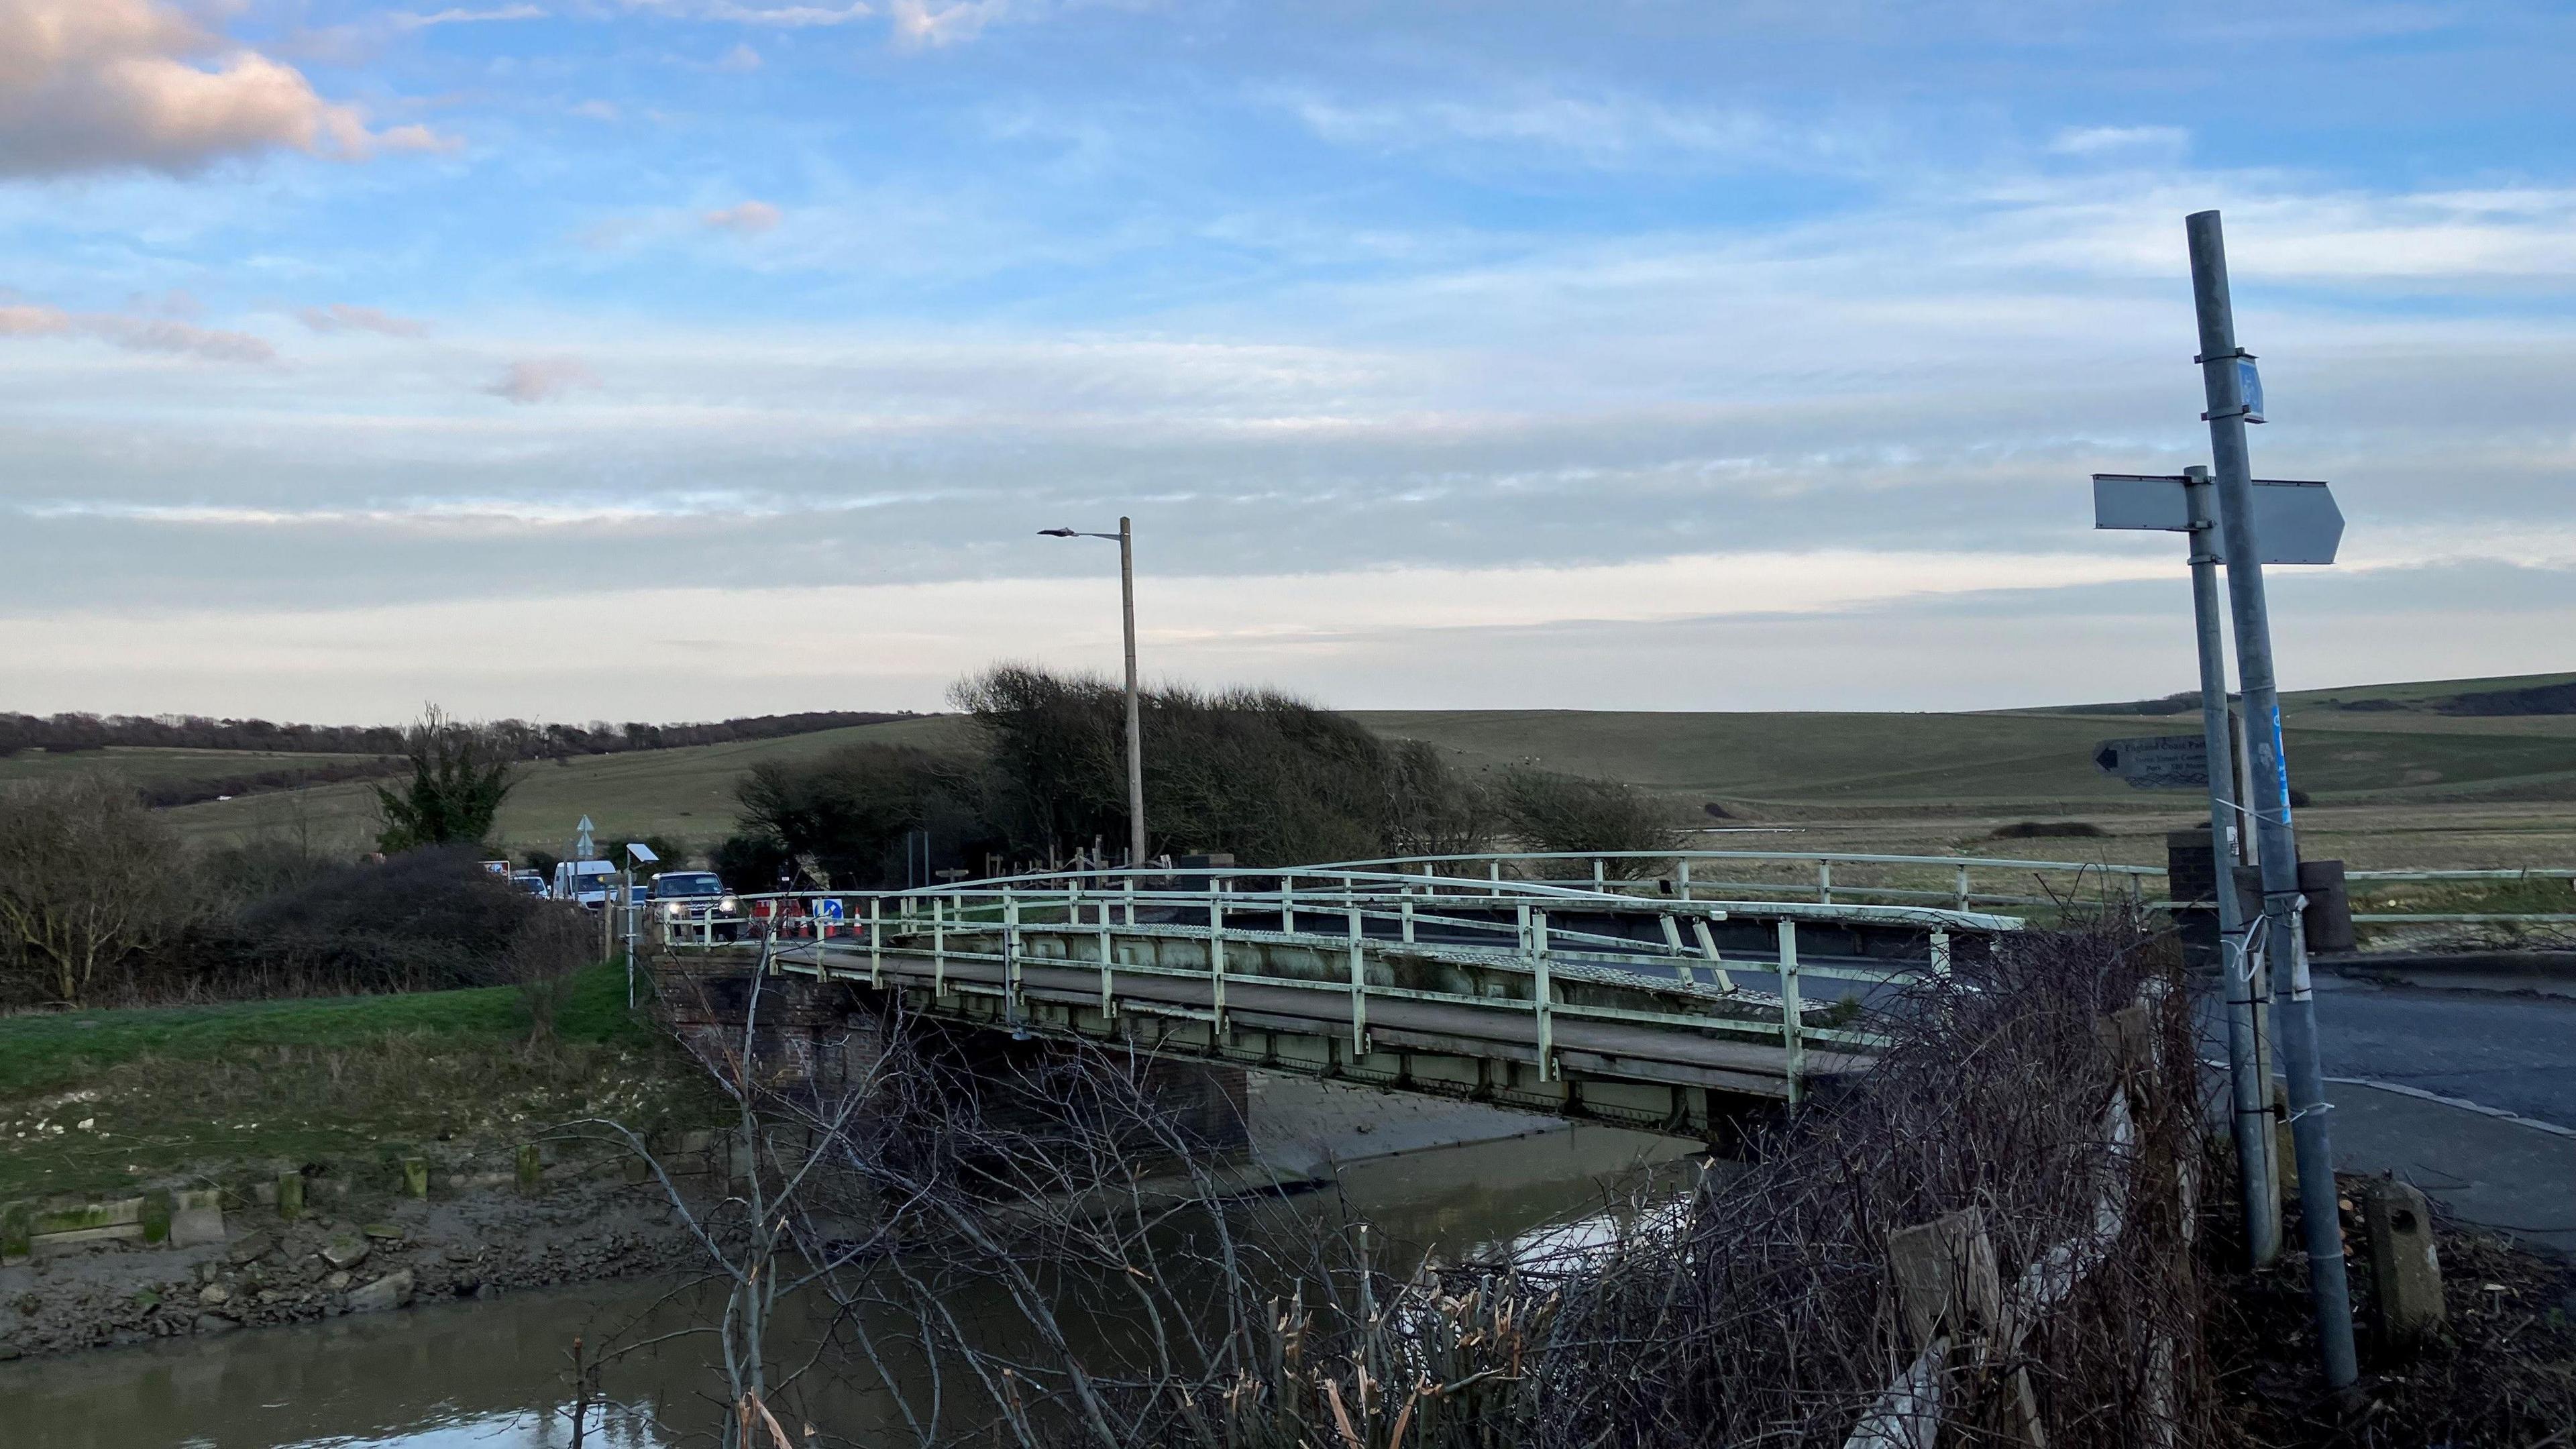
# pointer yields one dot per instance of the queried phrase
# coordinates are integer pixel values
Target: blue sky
(679, 358)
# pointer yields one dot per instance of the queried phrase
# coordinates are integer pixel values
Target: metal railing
(1355, 934)
(1687, 874)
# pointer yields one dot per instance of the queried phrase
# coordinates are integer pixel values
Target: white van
(587, 883)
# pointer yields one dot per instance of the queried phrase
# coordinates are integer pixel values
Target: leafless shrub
(1553, 812)
(554, 942)
(89, 881)
(1020, 1246)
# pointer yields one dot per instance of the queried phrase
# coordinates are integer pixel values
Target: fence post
(1793, 1033)
(1599, 874)
(1683, 881)
(1216, 956)
(1708, 948)
(1408, 920)
(1941, 954)
(1963, 890)
(1359, 990)
(1288, 905)
(1824, 882)
(1131, 900)
(1542, 993)
(876, 942)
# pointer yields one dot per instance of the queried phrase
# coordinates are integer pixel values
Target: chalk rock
(214, 1295)
(345, 1250)
(390, 1291)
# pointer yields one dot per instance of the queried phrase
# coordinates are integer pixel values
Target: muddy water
(493, 1374)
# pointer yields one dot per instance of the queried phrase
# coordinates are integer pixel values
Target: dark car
(684, 897)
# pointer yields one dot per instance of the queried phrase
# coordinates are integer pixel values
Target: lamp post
(1126, 539)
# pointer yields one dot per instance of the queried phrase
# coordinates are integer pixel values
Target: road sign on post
(2224, 378)
(2156, 762)
(2294, 522)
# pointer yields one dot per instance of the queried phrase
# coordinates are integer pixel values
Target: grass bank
(113, 1101)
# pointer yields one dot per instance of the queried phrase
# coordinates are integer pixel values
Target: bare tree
(89, 881)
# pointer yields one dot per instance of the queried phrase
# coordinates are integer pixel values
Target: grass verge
(112, 1101)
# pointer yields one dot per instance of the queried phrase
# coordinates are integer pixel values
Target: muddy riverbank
(486, 1239)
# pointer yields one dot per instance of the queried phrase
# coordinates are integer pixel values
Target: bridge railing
(1348, 931)
(1960, 882)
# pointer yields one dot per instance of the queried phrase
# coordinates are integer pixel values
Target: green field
(685, 793)
(150, 766)
(2396, 781)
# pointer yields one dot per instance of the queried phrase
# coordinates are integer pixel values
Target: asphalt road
(2513, 1052)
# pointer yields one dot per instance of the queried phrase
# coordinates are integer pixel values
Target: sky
(681, 359)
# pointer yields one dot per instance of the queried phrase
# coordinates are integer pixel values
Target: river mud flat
(480, 1243)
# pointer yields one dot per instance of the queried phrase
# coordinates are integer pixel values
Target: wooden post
(532, 1167)
(415, 1176)
(290, 1195)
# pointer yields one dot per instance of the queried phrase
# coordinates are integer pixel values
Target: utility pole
(2250, 1073)
(2234, 392)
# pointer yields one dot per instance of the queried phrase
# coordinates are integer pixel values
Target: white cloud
(1609, 129)
(97, 84)
(343, 317)
(543, 380)
(597, 111)
(741, 60)
(749, 218)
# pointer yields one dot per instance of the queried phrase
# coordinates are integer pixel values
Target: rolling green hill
(685, 793)
(2373, 746)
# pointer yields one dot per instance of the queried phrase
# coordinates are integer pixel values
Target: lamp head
(1058, 533)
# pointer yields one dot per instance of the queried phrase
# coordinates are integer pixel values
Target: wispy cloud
(459, 15)
(2095, 140)
(136, 333)
(542, 380)
(749, 218)
(1600, 129)
(344, 317)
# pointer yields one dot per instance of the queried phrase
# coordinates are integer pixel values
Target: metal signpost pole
(2249, 1071)
(1135, 723)
(2225, 372)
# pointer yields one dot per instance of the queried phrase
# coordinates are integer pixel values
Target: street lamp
(1126, 539)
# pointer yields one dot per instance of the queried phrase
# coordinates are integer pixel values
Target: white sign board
(2297, 521)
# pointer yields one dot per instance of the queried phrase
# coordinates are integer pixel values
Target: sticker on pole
(2249, 384)
(2156, 762)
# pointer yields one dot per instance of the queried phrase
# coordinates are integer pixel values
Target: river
(493, 1373)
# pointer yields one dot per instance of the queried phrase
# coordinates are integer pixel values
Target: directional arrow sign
(2299, 522)
(2156, 762)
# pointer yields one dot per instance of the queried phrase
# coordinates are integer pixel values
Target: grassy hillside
(146, 766)
(2029, 761)
(685, 793)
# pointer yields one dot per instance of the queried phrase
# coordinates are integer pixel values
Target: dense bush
(460, 774)
(1259, 775)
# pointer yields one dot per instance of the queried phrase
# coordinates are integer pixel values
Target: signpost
(2156, 762)
(2226, 372)
(2290, 522)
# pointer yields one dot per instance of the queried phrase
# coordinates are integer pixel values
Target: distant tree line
(1259, 775)
(73, 732)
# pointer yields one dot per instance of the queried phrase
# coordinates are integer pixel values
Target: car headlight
(728, 905)
(674, 911)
